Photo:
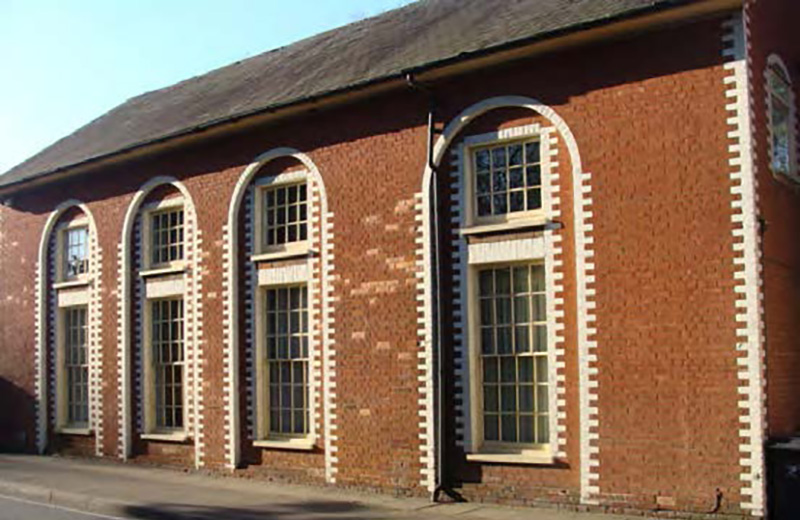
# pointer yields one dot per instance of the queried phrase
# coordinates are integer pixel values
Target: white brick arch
(43, 325)
(323, 217)
(193, 315)
(584, 276)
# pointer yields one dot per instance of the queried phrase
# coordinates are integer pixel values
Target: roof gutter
(630, 22)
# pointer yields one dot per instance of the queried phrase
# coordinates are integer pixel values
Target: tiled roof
(386, 46)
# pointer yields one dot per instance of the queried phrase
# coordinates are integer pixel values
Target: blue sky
(65, 62)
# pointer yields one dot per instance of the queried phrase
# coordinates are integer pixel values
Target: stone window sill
(166, 437)
(536, 459)
(163, 271)
(286, 444)
(513, 225)
(70, 284)
(74, 431)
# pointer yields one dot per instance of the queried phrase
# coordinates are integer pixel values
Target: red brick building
(538, 252)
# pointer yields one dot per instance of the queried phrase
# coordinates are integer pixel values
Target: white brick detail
(47, 300)
(547, 248)
(130, 333)
(589, 420)
(319, 269)
(96, 340)
(747, 263)
(425, 341)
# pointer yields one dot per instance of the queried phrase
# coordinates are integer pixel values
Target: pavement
(136, 492)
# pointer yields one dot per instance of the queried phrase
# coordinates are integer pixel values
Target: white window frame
(774, 62)
(275, 278)
(472, 222)
(481, 451)
(497, 252)
(61, 242)
(262, 252)
(148, 268)
(62, 414)
(151, 430)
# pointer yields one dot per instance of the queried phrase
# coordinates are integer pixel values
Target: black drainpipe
(441, 485)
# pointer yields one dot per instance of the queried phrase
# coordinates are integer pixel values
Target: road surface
(18, 509)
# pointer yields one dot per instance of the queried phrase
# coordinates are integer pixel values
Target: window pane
(487, 282)
(502, 168)
(517, 201)
(543, 429)
(490, 398)
(284, 214)
(534, 199)
(534, 175)
(781, 136)
(76, 245)
(541, 369)
(508, 399)
(537, 279)
(540, 338)
(490, 370)
(482, 160)
(504, 345)
(76, 368)
(526, 398)
(166, 339)
(288, 363)
(515, 154)
(166, 234)
(484, 206)
(487, 340)
(484, 183)
(522, 313)
(508, 370)
(542, 403)
(539, 309)
(503, 280)
(516, 179)
(499, 181)
(532, 152)
(521, 280)
(508, 427)
(491, 430)
(500, 205)
(526, 369)
(526, 433)
(487, 312)
(513, 351)
(499, 158)
(503, 311)
(522, 339)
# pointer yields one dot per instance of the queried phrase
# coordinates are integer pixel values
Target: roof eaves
(655, 7)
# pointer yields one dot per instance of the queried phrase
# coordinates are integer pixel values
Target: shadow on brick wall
(16, 406)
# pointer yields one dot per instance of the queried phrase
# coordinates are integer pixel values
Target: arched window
(160, 236)
(280, 201)
(71, 284)
(781, 112)
(278, 240)
(68, 326)
(159, 314)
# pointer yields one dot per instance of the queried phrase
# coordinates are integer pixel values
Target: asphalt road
(17, 509)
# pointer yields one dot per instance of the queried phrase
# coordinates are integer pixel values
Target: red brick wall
(665, 301)
(648, 115)
(650, 122)
(773, 31)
